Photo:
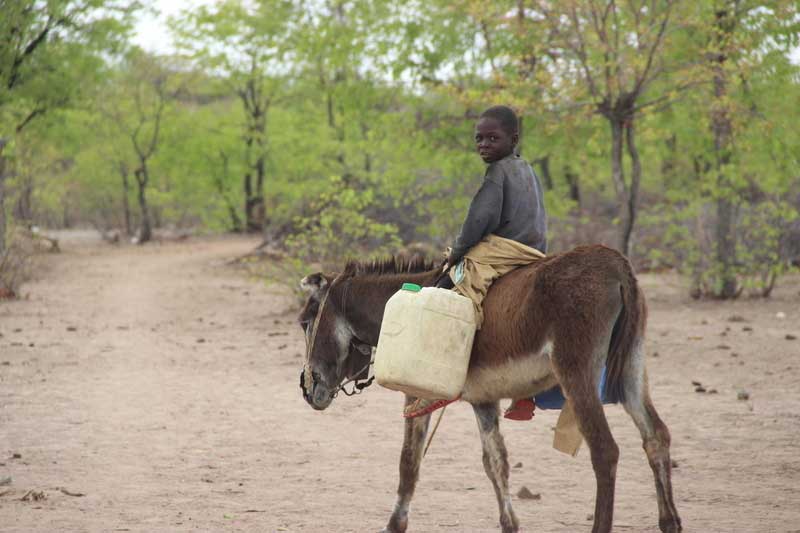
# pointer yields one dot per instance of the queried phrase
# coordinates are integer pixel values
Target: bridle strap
(308, 380)
(358, 387)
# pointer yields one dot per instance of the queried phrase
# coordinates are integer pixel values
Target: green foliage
(339, 229)
(762, 248)
(358, 115)
(51, 53)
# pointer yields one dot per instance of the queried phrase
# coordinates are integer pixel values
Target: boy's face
(492, 141)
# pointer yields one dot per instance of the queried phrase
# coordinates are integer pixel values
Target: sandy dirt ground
(156, 389)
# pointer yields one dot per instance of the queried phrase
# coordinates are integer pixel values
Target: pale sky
(151, 32)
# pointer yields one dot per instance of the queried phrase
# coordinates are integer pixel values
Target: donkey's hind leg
(579, 383)
(410, 458)
(656, 441)
(495, 461)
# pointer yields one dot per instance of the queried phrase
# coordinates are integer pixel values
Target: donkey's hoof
(397, 524)
(509, 526)
(670, 525)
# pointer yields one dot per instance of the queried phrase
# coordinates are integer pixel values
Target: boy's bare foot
(521, 409)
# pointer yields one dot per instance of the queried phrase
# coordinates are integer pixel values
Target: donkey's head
(333, 352)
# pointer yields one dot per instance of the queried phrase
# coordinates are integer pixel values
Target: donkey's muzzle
(319, 397)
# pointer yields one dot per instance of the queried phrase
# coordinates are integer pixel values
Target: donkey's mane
(396, 264)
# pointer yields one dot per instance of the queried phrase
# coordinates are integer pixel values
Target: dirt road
(155, 389)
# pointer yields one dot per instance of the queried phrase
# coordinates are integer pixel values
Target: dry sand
(162, 385)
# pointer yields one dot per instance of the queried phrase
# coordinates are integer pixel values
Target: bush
(15, 263)
(763, 250)
(338, 229)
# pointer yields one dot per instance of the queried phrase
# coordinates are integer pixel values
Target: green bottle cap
(413, 287)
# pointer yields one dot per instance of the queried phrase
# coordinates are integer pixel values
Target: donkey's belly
(518, 377)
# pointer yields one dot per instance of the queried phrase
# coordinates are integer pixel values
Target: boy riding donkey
(505, 228)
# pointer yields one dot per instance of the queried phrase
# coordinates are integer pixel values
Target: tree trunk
(726, 245)
(254, 193)
(574, 186)
(219, 181)
(145, 230)
(250, 204)
(258, 212)
(547, 177)
(126, 208)
(66, 218)
(723, 130)
(23, 211)
(633, 191)
(2, 199)
(668, 165)
(621, 188)
(256, 106)
(236, 223)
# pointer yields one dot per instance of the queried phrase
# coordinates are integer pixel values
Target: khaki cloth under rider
(485, 262)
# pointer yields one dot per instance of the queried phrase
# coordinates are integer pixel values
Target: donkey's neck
(369, 294)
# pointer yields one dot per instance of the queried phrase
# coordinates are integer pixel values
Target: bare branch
(581, 53)
(617, 62)
(669, 97)
(644, 79)
(33, 114)
(488, 39)
(599, 28)
(157, 117)
(32, 46)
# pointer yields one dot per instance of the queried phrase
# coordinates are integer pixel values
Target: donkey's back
(568, 304)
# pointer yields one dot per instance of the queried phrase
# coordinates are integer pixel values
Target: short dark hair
(505, 116)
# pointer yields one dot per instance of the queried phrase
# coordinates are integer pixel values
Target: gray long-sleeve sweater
(508, 204)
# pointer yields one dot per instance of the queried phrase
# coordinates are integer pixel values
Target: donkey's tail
(628, 332)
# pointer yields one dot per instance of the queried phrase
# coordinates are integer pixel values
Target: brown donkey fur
(556, 322)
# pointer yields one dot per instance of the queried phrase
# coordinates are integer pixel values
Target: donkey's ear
(314, 283)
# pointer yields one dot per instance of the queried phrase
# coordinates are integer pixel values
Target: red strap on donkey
(520, 410)
(426, 407)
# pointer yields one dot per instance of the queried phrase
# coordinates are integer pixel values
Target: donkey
(555, 322)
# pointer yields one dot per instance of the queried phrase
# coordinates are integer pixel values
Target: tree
(137, 103)
(613, 55)
(247, 44)
(50, 52)
(740, 38)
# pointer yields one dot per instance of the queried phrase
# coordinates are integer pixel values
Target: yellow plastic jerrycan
(425, 342)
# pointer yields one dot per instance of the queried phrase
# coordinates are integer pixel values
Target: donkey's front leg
(410, 459)
(495, 461)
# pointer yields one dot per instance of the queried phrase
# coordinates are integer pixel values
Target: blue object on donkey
(554, 398)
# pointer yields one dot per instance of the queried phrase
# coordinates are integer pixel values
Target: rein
(358, 387)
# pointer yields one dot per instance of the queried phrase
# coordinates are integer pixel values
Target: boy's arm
(482, 219)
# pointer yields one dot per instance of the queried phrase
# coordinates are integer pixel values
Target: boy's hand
(447, 252)
(446, 255)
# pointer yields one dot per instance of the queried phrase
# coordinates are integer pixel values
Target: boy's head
(496, 133)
